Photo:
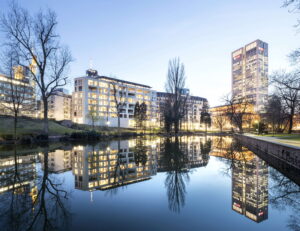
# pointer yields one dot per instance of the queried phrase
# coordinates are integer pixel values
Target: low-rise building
(194, 107)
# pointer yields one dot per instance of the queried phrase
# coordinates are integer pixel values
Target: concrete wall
(286, 153)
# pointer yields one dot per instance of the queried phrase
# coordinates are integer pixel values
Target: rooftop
(94, 74)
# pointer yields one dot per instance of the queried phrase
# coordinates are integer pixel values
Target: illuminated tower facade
(250, 74)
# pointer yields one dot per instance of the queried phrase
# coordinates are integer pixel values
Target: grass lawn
(292, 137)
(31, 126)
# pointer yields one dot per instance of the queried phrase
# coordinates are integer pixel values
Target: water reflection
(34, 196)
(31, 199)
(249, 176)
(107, 166)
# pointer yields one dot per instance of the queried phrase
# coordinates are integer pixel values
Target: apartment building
(95, 100)
(20, 86)
(60, 105)
(194, 107)
(250, 74)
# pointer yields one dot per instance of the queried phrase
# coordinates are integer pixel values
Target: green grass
(284, 136)
(31, 126)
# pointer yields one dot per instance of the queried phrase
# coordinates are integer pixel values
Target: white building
(59, 106)
(95, 98)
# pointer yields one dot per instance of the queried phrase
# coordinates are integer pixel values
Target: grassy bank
(28, 126)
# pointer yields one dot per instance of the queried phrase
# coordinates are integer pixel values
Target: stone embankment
(289, 154)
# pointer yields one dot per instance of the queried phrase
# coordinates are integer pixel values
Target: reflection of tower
(250, 189)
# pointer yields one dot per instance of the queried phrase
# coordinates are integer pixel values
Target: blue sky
(134, 39)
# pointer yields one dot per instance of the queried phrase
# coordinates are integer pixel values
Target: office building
(250, 74)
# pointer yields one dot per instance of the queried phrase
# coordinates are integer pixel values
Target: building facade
(250, 74)
(59, 106)
(194, 107)
(18, 87)
(95, 100)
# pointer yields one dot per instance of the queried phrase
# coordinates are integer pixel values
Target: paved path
(276, 140)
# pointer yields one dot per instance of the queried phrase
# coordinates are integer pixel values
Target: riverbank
(30, 131)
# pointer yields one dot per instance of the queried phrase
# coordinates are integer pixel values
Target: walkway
(292, 143)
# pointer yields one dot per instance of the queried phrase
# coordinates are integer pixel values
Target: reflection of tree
(140, 153)
(205, 149)
(234, 156)
(118, 175)
(40, 207)
(177, 174)
(284, 194)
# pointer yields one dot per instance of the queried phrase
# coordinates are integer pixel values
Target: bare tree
(219, 119)
(19, 93)
(275, 113)
(176, 99)
(38, 42)
(119, 95)
(237, 109)
(287, 85)
(205, 117)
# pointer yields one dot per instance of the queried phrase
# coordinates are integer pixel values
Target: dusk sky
(134, 39)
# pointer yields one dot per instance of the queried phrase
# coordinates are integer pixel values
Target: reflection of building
(250, 73)
(59, 161)
(249, 178)
(190, 146)
(96, 96)
(108, 166)
(194, 105)
(59, 105)
(250, 189)
(17, 174)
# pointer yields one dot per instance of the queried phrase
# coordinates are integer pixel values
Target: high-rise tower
(250, 74)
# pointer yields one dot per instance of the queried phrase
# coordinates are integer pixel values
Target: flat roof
(191, 96)
(117, 80)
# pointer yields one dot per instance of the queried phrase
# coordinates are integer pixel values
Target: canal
(153, 183)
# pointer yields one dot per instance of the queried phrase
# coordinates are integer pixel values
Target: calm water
(190, 183)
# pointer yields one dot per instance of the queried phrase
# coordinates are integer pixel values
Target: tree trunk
(176, 127)
(119, 124)
(290, 124)
(46, 124)
(15, 126)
